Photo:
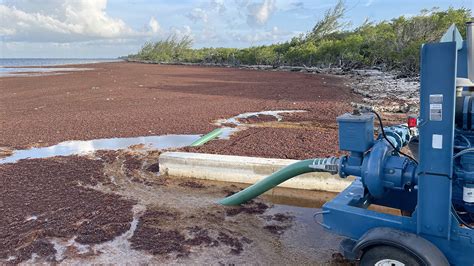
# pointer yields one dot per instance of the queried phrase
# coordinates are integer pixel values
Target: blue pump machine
(435, 191)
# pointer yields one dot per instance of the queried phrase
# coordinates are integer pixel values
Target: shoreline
(60, 65)
(80, 61)
(7, 71)
(386, 91)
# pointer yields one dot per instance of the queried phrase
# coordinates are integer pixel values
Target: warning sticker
(436, 107)
(437, 141)
(468, 195)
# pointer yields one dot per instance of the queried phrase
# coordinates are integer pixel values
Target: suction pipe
(208, 137)
(306, 166)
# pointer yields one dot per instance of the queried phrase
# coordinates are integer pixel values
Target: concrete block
(241, 169)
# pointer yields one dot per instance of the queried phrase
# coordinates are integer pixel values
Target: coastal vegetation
(387, 45)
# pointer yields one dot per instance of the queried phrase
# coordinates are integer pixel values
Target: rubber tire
(378, 253)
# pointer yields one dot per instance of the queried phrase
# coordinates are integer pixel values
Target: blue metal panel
(356, 132)
(437, 101)
(345, 207)
(453, 35)
(462, 61)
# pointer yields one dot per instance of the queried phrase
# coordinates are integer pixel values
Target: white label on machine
(436, 107)
(468, 195)
(437, 142)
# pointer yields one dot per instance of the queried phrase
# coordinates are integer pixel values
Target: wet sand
(112, 207)
(130, 100)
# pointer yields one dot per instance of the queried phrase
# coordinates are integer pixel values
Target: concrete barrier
(240, 169)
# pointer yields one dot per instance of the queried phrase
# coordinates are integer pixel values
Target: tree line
(387, 45)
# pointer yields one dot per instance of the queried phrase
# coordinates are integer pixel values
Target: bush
(388, 45)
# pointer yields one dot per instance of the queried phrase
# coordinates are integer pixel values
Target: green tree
(330, 23)
(393, 44)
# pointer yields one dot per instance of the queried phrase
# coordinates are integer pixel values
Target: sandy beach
(131, 99)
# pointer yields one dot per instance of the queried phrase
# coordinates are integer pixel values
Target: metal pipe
(470, 50)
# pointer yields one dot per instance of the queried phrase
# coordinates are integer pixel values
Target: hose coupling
(330, 165)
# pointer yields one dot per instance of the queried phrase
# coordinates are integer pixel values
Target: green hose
(209, 136)
(271, 181)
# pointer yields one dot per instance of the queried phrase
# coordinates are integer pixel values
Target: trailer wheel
(388, 256)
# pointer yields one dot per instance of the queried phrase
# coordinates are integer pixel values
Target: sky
(112, 28)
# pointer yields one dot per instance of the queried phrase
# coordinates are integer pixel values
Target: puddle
(64, 246)
(228, 131)
(299, 197)
(239, 126)
(235, 120)
(35, 71)
(83, 147)
(306, 237)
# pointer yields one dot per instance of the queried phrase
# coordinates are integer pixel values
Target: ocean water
(16, 62)
(33, 66)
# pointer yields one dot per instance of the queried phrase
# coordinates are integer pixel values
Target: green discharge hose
(276, 178)
(209, 136)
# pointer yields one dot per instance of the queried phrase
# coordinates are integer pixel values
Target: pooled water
(228, 131)
(82, 147)
(34, 71)
(276, 113)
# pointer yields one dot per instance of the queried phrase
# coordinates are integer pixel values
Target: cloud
(218, 5)
(369, 2)
(242, 3)
(259, 13)
(197, 14)
(63, 21)
(154, 25)
(182, 31)
(260, 37)
(297, 5)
